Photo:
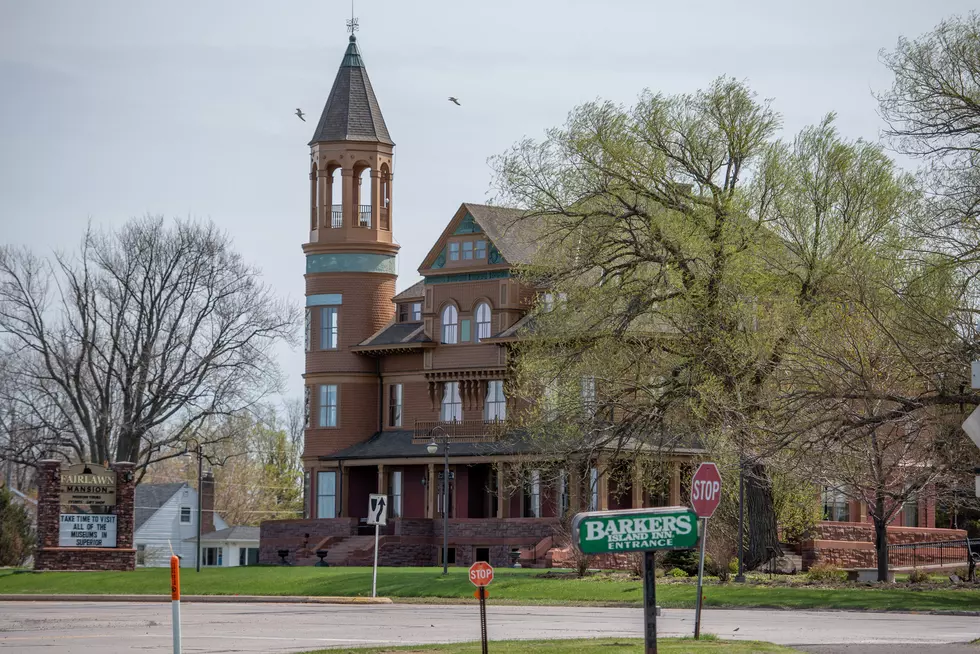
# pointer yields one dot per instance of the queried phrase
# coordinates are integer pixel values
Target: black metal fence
(936, 553)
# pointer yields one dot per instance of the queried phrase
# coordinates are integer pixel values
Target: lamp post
(432, 448)
(200, 476)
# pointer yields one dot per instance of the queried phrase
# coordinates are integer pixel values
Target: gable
(466, 221)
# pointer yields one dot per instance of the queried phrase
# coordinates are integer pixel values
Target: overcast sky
(185, 108)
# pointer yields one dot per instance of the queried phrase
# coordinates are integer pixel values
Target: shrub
(659, 573)
(686, 560)
(918, 576)
(825, 572)
(16, 533)
(677, 572)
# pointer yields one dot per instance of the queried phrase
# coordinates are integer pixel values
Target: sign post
(377, 516)
(175, 599)
(638, 530)
(705, 498)
(481, 574)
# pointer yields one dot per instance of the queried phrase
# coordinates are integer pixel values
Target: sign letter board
(635, 530)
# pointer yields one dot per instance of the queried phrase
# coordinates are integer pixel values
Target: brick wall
(851, 545)
(49, 556)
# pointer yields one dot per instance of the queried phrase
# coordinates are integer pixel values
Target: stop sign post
(481, 574)
(705, 498)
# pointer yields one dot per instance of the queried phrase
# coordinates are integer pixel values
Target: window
(212, 556)
(454, 251)
(482, 321)
(910, 511)
(326, 495)
(452, 405)
(248, 556)
(328, 328)
(395, 405)
(141, 554)
(481, 249)
(416, 311)
(306, 406)
(594, 486)
(482, 554)
(836, 508)
(467, 249)
(395, 490)
(402, 313)
(495, 407)
(307, 324)
(464, 330)
(328, 405)
(185, 515)
(451, 555)
(588, 394)
(550, 399)
(307, 500)
(450, 324)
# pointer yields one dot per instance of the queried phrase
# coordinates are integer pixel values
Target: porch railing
(336, 216)
(913, 555)
(469, 431)
(364, 215)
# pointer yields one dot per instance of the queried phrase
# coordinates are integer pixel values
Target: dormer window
(410, 312)
(416, 312)
(481, 249)
(467, 250)
(454, 251)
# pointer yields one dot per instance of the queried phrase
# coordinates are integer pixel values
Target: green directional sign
(635, 530)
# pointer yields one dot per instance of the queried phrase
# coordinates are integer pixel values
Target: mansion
(388, 375)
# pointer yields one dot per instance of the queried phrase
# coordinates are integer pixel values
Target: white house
(166, 517)
(230, 547)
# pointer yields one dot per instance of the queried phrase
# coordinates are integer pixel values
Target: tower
(350, 263)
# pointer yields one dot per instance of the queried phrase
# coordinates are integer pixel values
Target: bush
(659, 573)
(677, 572)
(16, 533)
(686, 560)
(918, 576)
(825, 572)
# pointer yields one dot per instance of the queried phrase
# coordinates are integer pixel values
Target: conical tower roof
(352, 112)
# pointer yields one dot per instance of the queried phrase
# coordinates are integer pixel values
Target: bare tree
(121, 351)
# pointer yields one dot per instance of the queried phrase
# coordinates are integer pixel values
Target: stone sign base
(49, 556)
(84, 558)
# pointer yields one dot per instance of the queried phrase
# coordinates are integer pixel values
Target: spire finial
(352, 23)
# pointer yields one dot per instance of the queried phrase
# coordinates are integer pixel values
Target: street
(117, 628)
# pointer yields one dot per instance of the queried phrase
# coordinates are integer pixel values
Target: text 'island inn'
(388, 373)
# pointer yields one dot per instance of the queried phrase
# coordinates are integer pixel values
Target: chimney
(207, 502)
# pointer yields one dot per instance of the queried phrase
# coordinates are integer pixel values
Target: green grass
(510, 586)
(591, 646)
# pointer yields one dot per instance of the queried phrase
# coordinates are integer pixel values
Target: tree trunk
(881, 537)
(760, 515)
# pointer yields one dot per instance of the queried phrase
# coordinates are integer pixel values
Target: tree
(689, 248)
(123, 350)
(16, 532)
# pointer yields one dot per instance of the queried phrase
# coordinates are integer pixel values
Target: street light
(432, 448)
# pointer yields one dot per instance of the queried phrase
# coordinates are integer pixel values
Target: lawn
(592, 646)
(510, 586)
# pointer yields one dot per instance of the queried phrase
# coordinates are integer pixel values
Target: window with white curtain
(326, 494)
(482, 321)
(588, 394)
(328, 328)
(450, 325)
(495, 406)
(452, 404)
(328, 405)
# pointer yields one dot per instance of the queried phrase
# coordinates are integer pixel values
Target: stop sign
(481, 573)
(706, 490)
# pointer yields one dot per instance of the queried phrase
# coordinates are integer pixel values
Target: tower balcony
(460, 431)
(336, 216)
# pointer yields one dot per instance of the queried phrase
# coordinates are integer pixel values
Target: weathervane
(352, 23)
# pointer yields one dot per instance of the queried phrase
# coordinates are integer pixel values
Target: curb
(201, 599)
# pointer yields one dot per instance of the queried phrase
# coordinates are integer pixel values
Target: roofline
(424, 345)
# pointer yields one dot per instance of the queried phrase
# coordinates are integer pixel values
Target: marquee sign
(88, 484)
(87, 530)
(635, 530)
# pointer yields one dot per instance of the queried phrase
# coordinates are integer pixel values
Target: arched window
(482, 321)
(385, 197)
(335, 197)
(364, 193)
(450, 324)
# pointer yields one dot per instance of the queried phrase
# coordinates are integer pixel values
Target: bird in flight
(299, 112)
(454, 101)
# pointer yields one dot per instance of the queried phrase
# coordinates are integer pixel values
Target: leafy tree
(124, 349)
(688, 249)
(16, 531)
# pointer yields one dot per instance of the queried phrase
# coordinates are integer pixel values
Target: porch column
(637, 487)
(503, 497)
(344, 489)
(675, 483)
(574, 487)
(430, 505)
(862, 515)
(382, 480)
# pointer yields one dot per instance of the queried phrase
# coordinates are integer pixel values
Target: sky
(119, 108)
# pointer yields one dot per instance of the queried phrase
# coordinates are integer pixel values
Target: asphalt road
(117, 628)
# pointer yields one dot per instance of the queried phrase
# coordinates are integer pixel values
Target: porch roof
(398, 444)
